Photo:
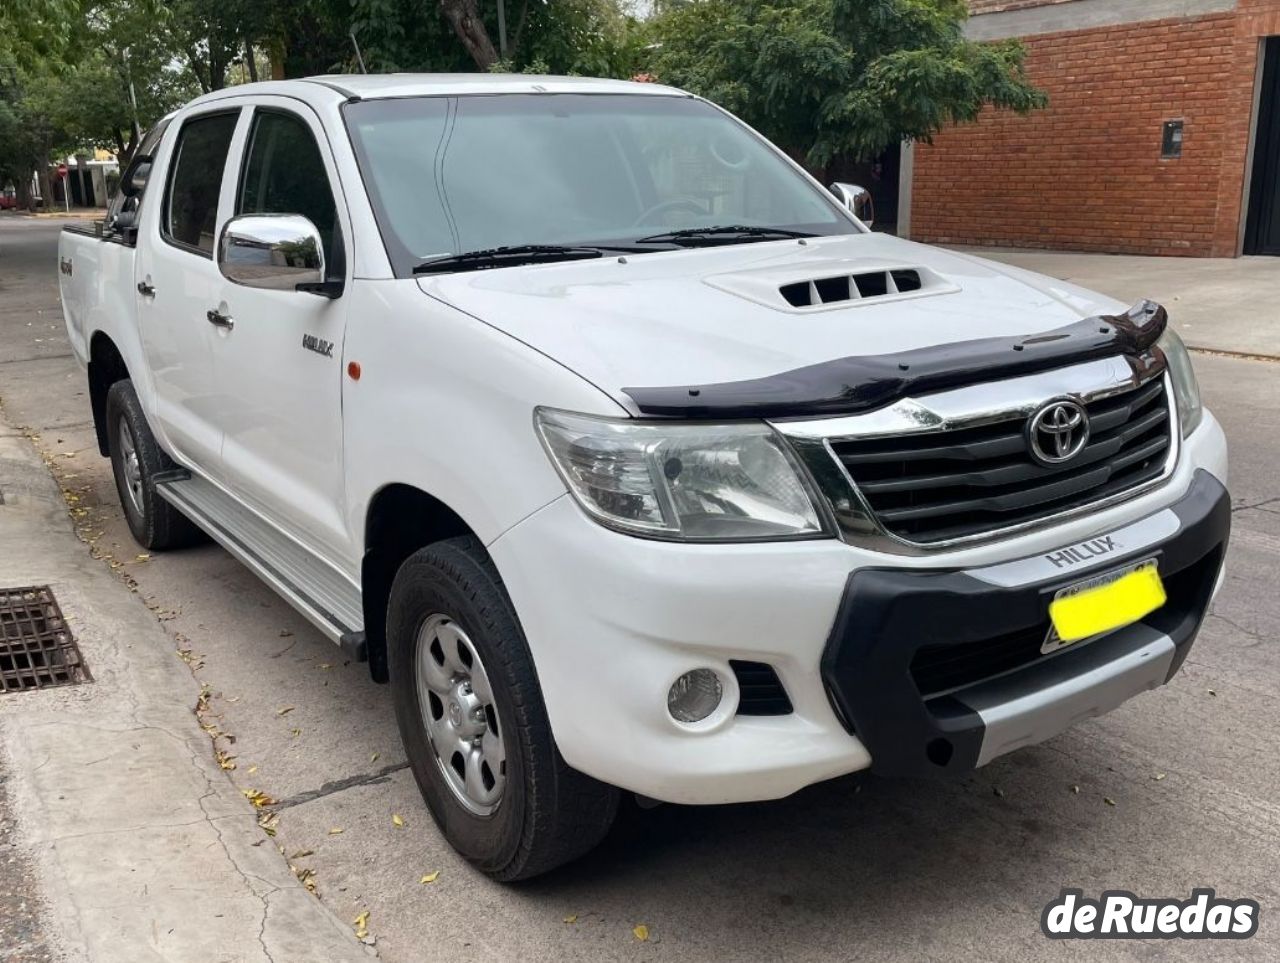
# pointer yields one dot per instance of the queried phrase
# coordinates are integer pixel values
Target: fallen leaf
(285, 633)
(258, 798)
(335, 831)
(303, 854)
(571, 919)
(1212, 693)
(326, 665)
(225, 760)
(999, 793)
(641, 932)
(361, 923)
(430, 878)
(296, 732)
(142, 558)
(1108, 800)
(284, 710)
(252, 770)
(397, 821)
(374, 757)
(1158, 776)
(1076, 790)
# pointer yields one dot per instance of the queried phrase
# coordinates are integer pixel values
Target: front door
(178, 282)
(1262, 236)
(280, 369)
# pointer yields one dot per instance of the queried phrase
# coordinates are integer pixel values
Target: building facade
(1162, 134)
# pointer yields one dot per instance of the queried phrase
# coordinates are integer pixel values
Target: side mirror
(857, 199)
(278, 252)
(134, 181)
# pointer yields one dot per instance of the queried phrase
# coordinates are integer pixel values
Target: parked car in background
(625, 452)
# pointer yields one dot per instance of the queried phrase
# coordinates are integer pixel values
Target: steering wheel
(675, 204)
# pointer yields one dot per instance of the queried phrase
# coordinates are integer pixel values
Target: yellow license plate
(1106, 603)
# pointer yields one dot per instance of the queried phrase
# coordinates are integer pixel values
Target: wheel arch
(400, 520)
(106, 367)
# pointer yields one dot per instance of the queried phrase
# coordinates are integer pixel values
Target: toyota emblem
(1058, 432)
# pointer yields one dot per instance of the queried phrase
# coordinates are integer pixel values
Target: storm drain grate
(37, 650)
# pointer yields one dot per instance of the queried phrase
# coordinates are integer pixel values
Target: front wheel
(473, 722)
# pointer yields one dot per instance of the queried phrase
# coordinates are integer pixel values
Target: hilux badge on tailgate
(1057, 432)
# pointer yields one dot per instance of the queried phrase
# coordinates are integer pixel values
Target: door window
(284, 174)
(191, 203)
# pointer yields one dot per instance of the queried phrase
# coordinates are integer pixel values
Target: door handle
(220, 320)
(146, 290)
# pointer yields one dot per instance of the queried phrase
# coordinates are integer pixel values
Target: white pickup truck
(627, 454)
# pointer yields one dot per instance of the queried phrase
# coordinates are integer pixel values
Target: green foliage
(825, 78)
(582, 37)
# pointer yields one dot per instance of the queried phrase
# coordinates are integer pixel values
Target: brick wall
(1086, 173)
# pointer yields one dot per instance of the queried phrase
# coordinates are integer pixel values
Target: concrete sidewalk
(119, 814)
(1216, 304)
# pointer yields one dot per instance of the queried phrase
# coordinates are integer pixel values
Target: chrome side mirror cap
(276, 252)
(857, 199)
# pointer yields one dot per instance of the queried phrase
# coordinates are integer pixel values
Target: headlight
(1186, 390)
(685, 481)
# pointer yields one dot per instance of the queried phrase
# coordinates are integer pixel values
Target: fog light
(694, 696)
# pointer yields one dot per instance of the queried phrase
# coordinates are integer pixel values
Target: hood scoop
(804, 291)
(805, 288)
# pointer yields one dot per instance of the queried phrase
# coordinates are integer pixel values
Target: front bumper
(942, 671)
(613, 620)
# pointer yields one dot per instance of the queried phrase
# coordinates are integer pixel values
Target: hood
(741, 312)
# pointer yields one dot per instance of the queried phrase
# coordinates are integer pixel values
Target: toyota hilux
(625, 451)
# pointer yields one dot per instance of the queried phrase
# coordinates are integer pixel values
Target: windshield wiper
(722, 234)
(511, 255)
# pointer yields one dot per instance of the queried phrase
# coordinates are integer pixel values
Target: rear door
(280, 369)
(178, 284)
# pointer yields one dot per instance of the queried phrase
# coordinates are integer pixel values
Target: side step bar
(327, 597)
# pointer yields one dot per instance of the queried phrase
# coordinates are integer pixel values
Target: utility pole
(133, 97)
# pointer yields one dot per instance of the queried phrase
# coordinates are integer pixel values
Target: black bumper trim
(887, 615)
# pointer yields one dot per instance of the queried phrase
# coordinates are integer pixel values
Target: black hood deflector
(851, 385)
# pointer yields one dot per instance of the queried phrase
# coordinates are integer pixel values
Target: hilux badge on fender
(1057, 432)
(318, 345)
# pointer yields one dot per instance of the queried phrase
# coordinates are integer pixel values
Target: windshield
(454, 175)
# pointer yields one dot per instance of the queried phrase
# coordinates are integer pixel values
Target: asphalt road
(1175, 790)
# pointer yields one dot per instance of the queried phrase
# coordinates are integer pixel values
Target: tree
(829, 78)
(464, 17)
(98, 79)
(563, 36)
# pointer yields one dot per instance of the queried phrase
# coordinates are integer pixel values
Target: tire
(136, 459)
(545, 813)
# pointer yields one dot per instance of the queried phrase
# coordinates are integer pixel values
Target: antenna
(359, 56)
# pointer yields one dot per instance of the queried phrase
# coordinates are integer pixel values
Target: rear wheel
(136, 460)
(473, 722)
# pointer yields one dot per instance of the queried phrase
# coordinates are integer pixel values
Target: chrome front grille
(946, 485)
(956, 466)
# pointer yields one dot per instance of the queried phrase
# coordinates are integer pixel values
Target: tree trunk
(46, 185)
(464, 17)
(26, 200)
(249, 61)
